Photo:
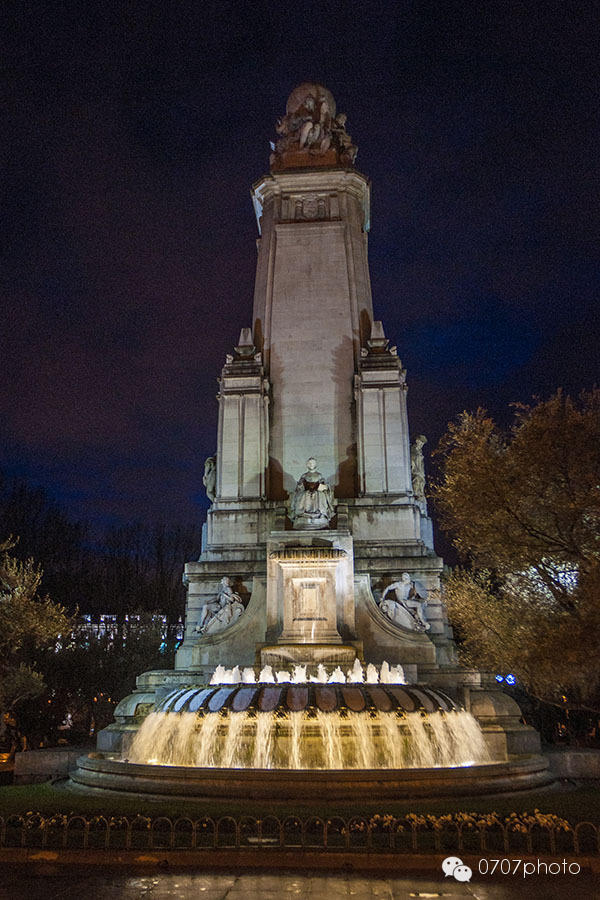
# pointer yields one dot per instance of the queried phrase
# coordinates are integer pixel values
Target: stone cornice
(312, 180)
(307, 554)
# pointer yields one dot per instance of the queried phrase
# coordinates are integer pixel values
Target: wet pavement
(18, 883)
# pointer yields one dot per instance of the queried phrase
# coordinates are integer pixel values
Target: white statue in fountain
(408, 609)
(220, 613)
(312, 503)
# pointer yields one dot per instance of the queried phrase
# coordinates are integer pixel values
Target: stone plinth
(310, 588)
(284, 655)
(566, 762)
(35, 766)
(301, 159)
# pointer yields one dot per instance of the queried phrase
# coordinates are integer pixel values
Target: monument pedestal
(310, 587)
(316, 375)
(286, 656)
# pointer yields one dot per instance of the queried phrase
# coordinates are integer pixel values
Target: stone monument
(336, 565)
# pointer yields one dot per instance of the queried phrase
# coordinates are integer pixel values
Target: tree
(523, 510)
(140, 567)
(59, 544)
(132, 566)
(28, 624)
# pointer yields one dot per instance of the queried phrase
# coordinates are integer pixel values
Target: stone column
(383, 444)
(242, 443)
(313, 310)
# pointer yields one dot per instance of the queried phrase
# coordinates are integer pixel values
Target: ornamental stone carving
(311, 130)
(417, 467)
(310, 208)
(220, 613)
(403, 605)
(312, 503)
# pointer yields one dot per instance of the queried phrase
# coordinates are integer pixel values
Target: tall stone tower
(318, 549)
(314, 378)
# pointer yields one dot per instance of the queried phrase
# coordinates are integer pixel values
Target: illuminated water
(310, 740)
(196, 727)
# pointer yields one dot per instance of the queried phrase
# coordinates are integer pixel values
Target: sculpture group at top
(312, 129)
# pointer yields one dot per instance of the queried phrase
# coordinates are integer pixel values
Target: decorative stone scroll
(311, 133)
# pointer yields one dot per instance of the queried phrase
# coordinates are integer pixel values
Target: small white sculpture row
(358, 674)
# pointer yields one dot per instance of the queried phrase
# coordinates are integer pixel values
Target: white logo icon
(452, 865)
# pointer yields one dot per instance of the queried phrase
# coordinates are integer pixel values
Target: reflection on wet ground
(20, 883)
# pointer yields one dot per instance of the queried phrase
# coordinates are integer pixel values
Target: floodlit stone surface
(327, 564)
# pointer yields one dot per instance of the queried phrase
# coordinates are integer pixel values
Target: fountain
(308, 724)
(297, 735)
(318, 660)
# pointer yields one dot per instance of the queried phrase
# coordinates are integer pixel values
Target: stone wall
(35, 766)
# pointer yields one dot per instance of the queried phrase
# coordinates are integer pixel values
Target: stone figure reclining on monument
(221, 612)
(408, 609)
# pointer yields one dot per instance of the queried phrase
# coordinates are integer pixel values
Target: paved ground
(23, 884)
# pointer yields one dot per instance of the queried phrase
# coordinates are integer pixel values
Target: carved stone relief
(221, 612)
(403, 603)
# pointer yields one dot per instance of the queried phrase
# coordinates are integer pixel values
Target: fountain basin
(308, 726)
(287, 697)
(521, 773)
(309, 741)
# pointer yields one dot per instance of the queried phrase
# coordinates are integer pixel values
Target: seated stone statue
(312, 503)
(224, 610)
(408, 609)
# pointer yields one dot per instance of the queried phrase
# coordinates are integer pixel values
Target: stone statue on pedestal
(417, 467)
(312, 503)
(311, 126)
(408, 609)
(221, 612)
(209, 479)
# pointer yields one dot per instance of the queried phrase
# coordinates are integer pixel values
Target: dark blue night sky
(132, 134)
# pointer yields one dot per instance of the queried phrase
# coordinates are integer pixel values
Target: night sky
(132, 135)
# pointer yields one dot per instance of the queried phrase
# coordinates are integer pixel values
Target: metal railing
(413, 833)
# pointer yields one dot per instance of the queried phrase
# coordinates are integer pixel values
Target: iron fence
(410, 834)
